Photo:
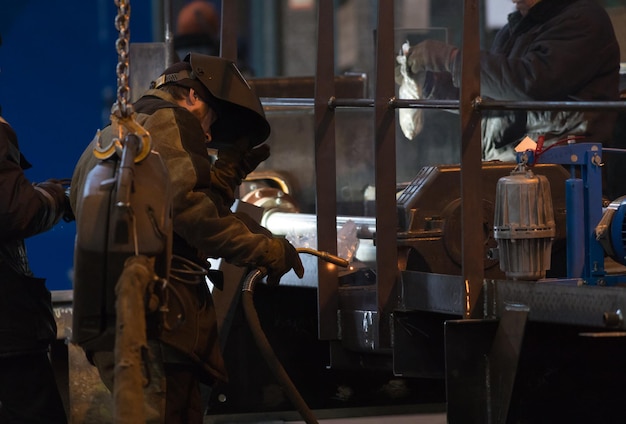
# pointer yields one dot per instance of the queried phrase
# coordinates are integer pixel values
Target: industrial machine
(553, 265)
(549, 340)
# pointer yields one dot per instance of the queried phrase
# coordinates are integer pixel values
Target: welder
(200, 101)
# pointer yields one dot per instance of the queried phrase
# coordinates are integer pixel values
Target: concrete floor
(422, 414)
(387, 419)
(431, 418)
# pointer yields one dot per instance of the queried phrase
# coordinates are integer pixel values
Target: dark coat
(562, 50)
(26, 319)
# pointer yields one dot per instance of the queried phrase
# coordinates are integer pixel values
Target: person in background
(550, 50)
(197, 29)
(200, 101)
(28, 390)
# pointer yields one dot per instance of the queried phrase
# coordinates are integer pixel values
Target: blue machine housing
(585, 251)
(57, 86)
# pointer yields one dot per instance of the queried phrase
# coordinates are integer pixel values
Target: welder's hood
(240, 112)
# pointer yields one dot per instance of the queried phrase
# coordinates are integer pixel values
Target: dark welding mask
(219, 83)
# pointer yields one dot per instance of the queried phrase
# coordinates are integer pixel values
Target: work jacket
(203, 225)
(27, 322)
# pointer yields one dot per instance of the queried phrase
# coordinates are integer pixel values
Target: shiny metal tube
(282, 223)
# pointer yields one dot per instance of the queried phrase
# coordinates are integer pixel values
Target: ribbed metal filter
(524, 225)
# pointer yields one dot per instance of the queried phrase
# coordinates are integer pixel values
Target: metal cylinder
(283, 223)
(524, 225)
(575, 227)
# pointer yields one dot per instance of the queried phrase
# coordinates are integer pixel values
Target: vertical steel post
(471, 162)
(325, 171)
(592, 174)
(168, 18)
(385, 172)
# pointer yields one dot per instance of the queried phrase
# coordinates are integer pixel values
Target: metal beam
(326, 171)
(471, 161)
(387, 272)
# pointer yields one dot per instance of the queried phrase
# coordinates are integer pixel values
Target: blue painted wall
(57, 86)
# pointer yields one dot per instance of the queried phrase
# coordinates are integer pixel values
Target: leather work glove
(54, 192)
(282, 258)
(68, 214)
(242, 161)
(431, 55)
(253, 157)
(419, 78)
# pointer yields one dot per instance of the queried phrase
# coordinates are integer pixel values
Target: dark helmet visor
(240, 113)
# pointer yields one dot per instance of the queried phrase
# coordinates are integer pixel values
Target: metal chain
(122, 113)
(122, 108)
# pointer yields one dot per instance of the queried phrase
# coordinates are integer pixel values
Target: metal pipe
(282, 223)
(170, 54)
(335, 102)
(277, 103)
(479, 104)
(482, 104)
(424, 104)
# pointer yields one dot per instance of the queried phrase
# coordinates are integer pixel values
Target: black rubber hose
(247, 299)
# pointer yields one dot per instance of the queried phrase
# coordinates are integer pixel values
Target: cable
(263, 344)
(272, 361)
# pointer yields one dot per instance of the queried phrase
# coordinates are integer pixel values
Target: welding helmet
(220, 84)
